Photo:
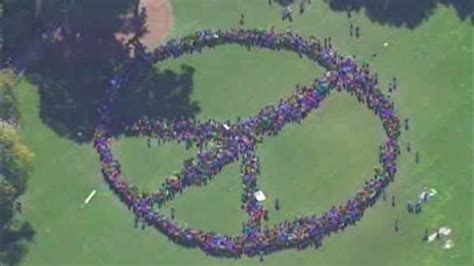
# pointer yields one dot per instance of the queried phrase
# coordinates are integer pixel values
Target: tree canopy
(15, 166)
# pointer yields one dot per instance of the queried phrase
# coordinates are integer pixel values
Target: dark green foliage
(9, 110)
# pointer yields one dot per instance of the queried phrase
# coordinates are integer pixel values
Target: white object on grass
(445, 231)
(226, 126)
(449, 244)
(431, 238)
(88, 199)
(429, 193)
(385, 44)
(259, 195)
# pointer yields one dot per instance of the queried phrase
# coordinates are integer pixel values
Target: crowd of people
(220, 144)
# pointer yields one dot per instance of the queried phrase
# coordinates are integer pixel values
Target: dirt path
(158, 24)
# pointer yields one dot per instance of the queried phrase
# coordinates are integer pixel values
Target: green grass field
(308, 167)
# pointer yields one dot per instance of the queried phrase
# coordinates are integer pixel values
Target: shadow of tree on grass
(285, 2)
(77, 53)
(398, 13)
(161, 94)
(402, 13)
(13, 243)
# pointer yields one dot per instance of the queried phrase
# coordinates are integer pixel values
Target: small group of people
(354, 31)
(287, 12)
(220, 144)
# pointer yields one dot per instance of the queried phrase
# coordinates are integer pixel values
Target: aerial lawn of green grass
(309, 167)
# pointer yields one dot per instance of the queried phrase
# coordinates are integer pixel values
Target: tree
(15, 159)
(9, 110)
(15, 166)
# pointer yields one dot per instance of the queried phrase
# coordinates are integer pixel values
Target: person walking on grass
(287, 14)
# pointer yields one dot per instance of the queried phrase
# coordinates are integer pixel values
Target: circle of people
(220, 144)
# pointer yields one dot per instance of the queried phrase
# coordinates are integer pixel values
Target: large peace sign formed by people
(220, 144)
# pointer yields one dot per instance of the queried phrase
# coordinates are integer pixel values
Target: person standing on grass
(396, 225)
(287, 14)
(357, 32)
(172, 213)
(425, 236)
(393, 200)
(241, 19)
(302, 7)
(351, 29)
(277, 204)
(18, 206)
(410, 207)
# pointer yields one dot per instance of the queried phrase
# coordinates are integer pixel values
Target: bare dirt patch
(158, 23)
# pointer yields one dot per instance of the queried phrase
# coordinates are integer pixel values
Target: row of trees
(15, 166)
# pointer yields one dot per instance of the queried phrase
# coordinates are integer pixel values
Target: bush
(15, 158)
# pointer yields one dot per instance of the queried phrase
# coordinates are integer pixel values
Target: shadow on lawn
(13, 243)
(402, 13)
(398, 13)
(164, 94)
(72, 51)
(68, 109)
(285, 2)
